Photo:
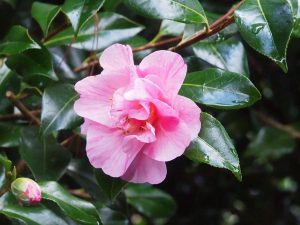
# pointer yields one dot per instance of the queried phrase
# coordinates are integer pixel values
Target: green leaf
(228, 55)
(33, 215)
(186, 11)
(214, 147)
(112, 28)
(266, 26)
(80, 11)
(112, 217)
(79, 210)
(5, 74)
(150, 201)
(16, 41)
(220, 89)
(46, 159)
(111, 5)
(32, 63)
(10, 135)
(109, 185)
(270, 144)
(44, 14)
(82, 172)
(57, 108)
(171, 28)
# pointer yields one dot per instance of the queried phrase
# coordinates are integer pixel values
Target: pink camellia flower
(26, 190)
(135, 120)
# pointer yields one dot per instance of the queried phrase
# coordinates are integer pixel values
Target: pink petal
(169, 66)
(168, 144)
(145, 170)
(110, 150)
(96, 93)
(189, 113)
(117, 58)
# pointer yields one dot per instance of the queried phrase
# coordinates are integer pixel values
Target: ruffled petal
(96, 93)
(145, 170)
(189, 113)
(169, 66)
(110, 150)
(117, 59)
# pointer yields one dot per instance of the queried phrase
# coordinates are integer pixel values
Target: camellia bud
(26, 190)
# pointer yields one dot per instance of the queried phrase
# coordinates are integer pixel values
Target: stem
(68, 140)
(214, 28)
(18, 116)
(56, 31)
(273, 123)
(11, 96)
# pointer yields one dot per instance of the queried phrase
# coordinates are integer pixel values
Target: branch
(214, 28)
(11, 96)
(18, 116)
(56, 31)
(273, 123)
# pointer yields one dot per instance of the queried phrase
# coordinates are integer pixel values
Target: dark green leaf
(44, 14)
(110, 186)
(5, 74)
(228, 55)
(186, 11)
(16, 41)
(111, 217)
(214, 147)
(46, 159)
(171, 28)
(34, 215)
(112, 28)
(266, 26)
(81, 171)
(270, 144)
(79, 210)
(10, 135)
(220, 89)
(57, 108)
(150, 201)
(79, 11)
(111, 5)
(31, 63)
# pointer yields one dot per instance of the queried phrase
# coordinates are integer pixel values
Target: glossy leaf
(150, 201)
(171, 28)
(34, 215)
(270, 144)
(229, 55)
(57, 108)
(214, 147)
(5, 74)
(109, 185)
(82, 172)
(79, 11)
(16, 41)
(266, 26)
(44, 14)
(186, 11)
(220, 89)
(10, 135)
(112, 28)
(46, 159)
(112, 217)
(31, 63)
(79, 210)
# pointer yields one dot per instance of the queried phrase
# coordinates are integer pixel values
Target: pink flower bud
(26, 190)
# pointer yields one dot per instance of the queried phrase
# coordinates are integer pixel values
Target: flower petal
(189, 113)
(110, 150)
(117, 58)
(145, 170)
(169, 66)
(168, 144)
(96, 93)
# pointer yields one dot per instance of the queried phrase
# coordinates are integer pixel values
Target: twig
(67, 141)
(11, 96)
(56, 31)
(18, 116)
(273, 123)
(80, 193)
(214, 28)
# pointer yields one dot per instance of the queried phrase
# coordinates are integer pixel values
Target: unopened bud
(26, 190)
